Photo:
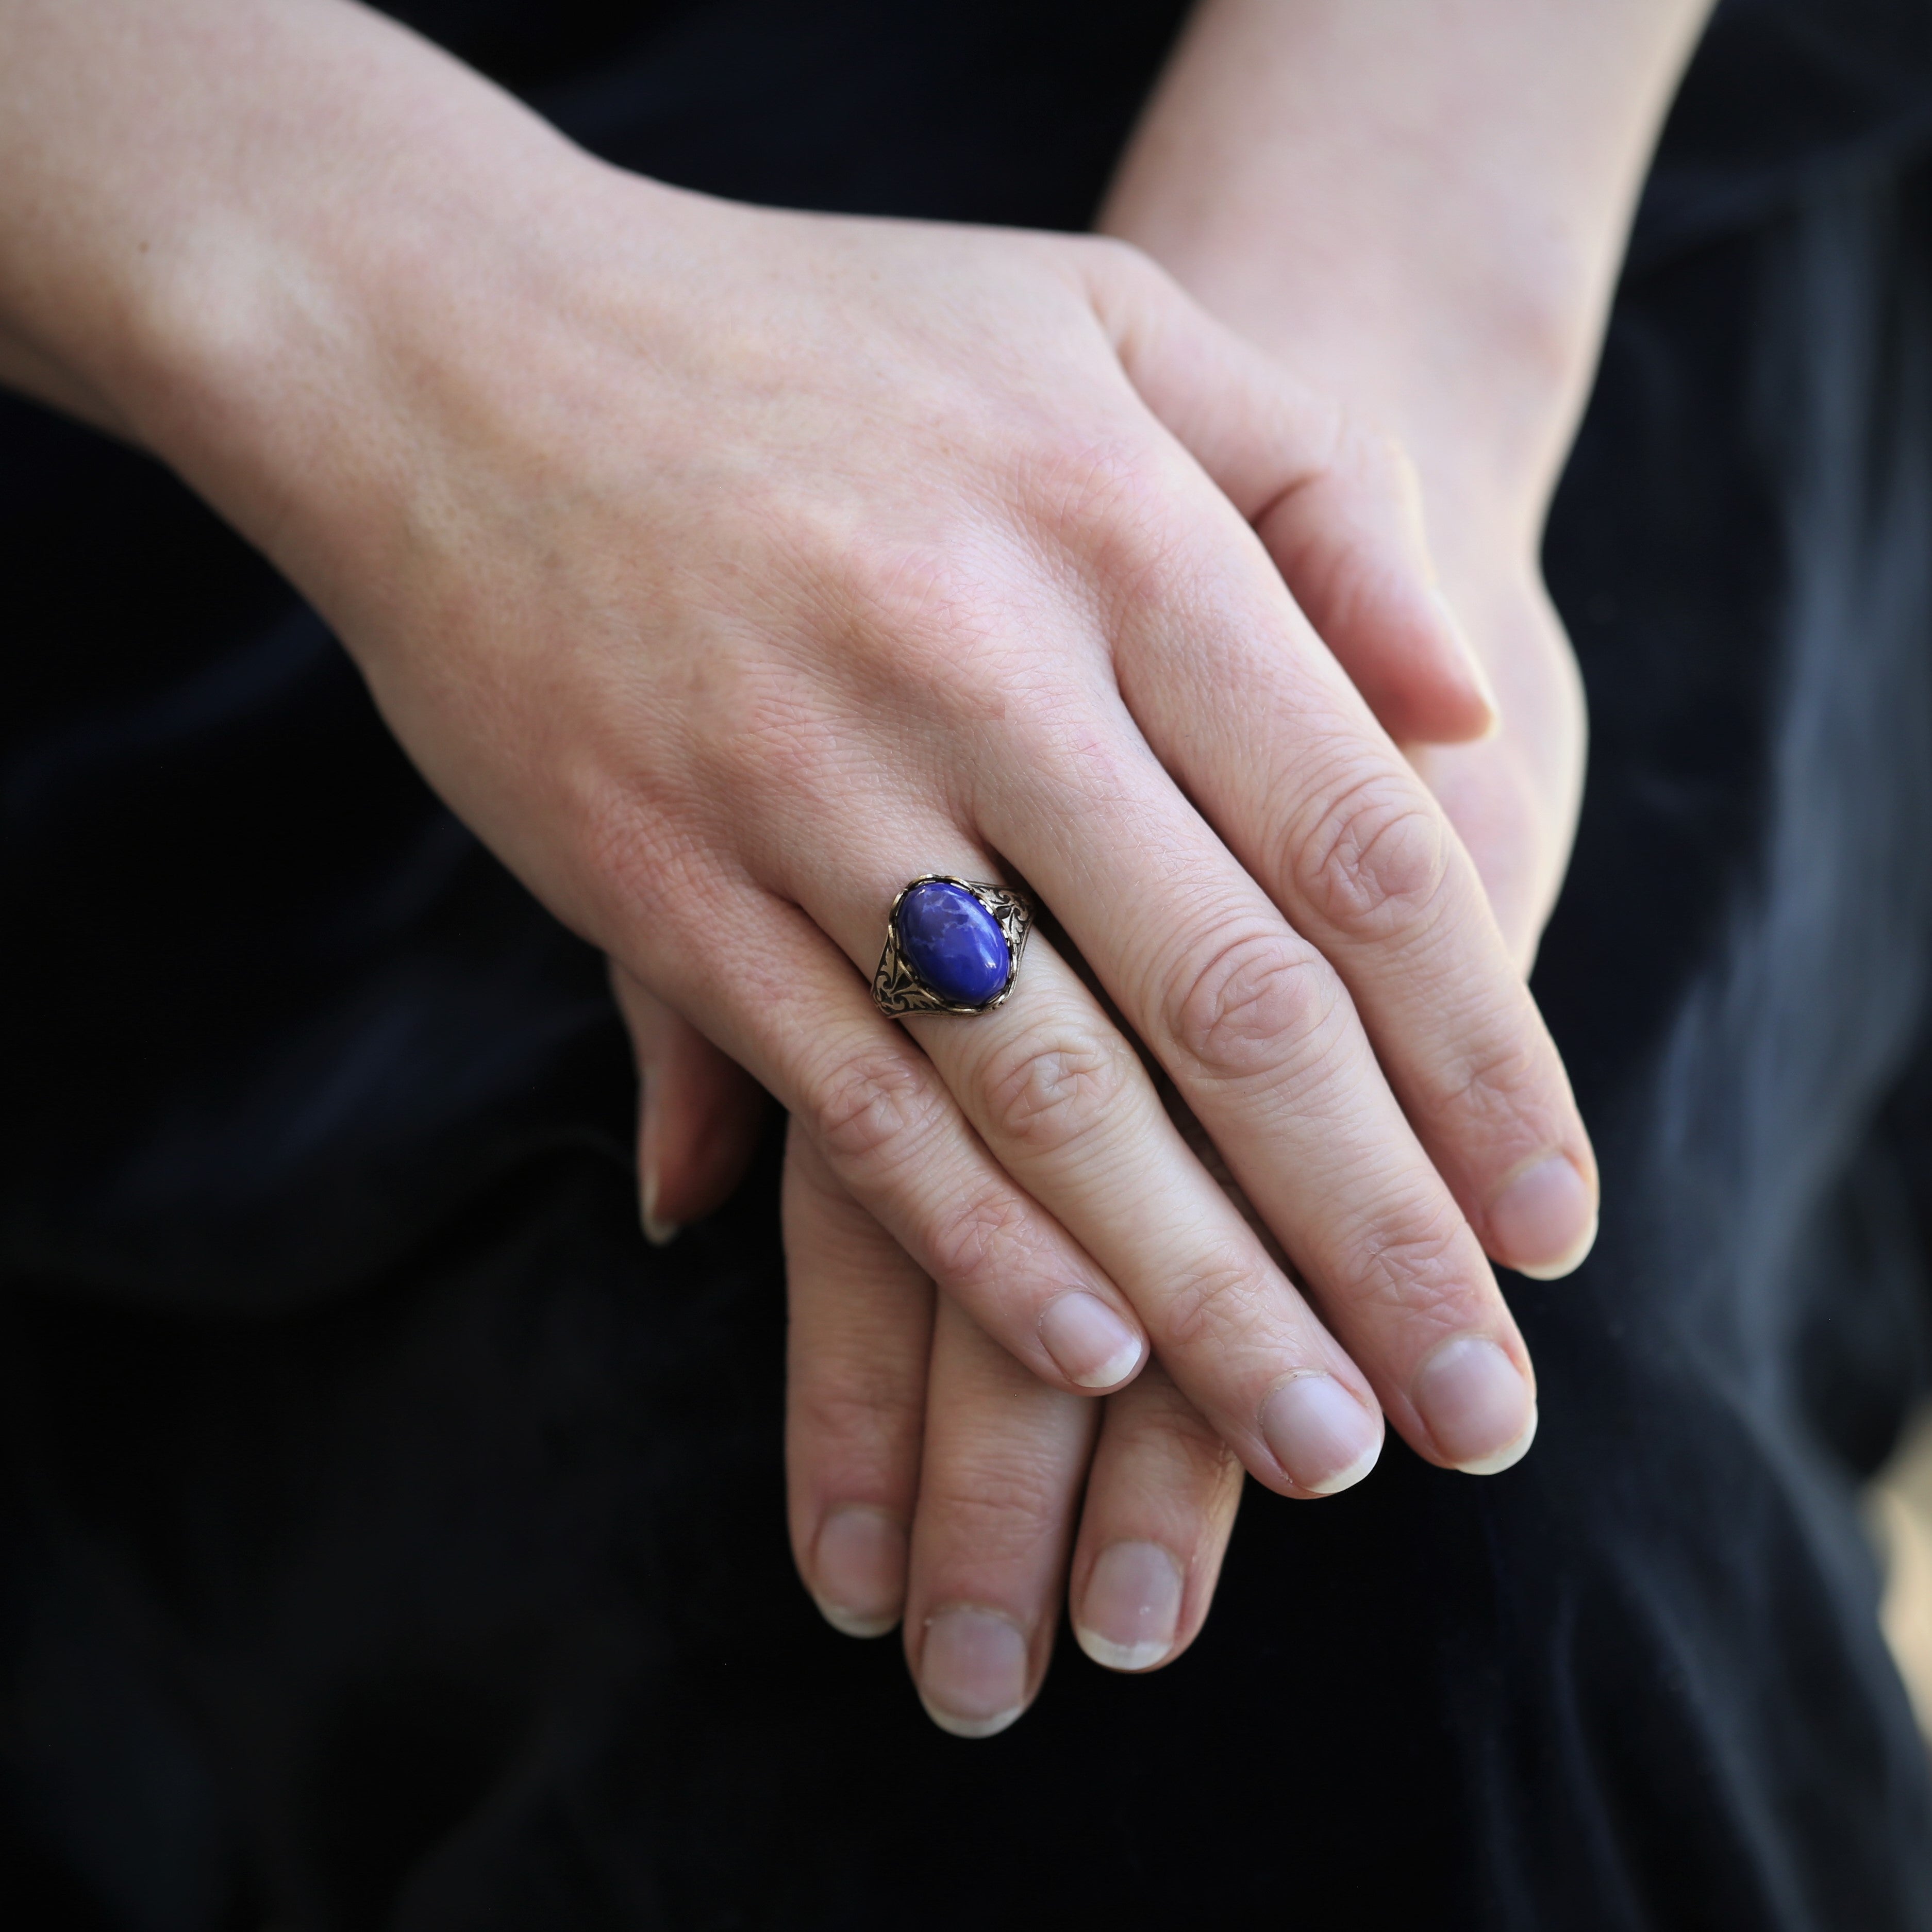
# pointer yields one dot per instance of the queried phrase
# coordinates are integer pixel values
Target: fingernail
(659, 1233)
(858, 1571)
(1544, 1222)
(1320, 1434)
(1479, 672)
(972, 1672)
(1477, 1405)
(1091, 1344)
(1132, 1608)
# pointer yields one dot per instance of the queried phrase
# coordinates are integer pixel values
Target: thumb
(1336, 502)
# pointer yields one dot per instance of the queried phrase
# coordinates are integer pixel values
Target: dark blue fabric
(1785, 94)
(388, 1538)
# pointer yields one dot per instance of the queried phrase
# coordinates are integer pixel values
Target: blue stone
(953, 943)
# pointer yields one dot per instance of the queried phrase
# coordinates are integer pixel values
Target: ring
(952, 945)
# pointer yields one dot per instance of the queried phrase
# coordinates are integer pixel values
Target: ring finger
(1065, 1106)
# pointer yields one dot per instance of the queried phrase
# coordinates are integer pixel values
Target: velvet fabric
(389, 1538)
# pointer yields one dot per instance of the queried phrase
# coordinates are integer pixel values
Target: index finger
(1251, 713)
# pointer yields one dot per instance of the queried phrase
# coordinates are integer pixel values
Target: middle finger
(1262, 1040)
(1064, 1105)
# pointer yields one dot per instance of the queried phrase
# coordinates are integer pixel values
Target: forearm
(213, 212)
(1423, 201)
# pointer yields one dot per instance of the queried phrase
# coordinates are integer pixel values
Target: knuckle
(1114, 501)
(1416, 1268)
(926, 632)
(1084, 768)
(982, 1243)
(1114, 272)
(1133, 291)
(1499, 1090)
(1171, 1443)
(1374, 862)
(864, 1418)
(994, 1503)
(1215, 1303)
(873, 1111)
(1114, 256)
(1372, 454)
(899, 592)
(1052, 1085)
(1259, 1004)
(623, 849)
(640, 850)
(784, 748)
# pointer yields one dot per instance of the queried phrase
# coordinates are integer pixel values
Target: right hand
(724, 569)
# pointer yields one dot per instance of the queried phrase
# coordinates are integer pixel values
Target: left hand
(930, 1480)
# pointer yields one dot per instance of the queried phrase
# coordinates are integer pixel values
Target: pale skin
(1309, 173)
(724, 569)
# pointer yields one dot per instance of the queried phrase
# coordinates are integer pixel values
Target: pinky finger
(1161, 1498)
(856, 1354)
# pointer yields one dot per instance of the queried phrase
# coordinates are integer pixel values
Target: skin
(722, 574)
(1309, 174)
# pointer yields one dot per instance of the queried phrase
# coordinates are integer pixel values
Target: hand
(725, 567)
(808, 741)
(931, 1480)
(1513, 798)
(715, 675)
(1426, 209)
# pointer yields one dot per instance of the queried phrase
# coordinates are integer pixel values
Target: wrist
(1477, 361)
(289, 361)
(223, 226)
(1422, 210)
